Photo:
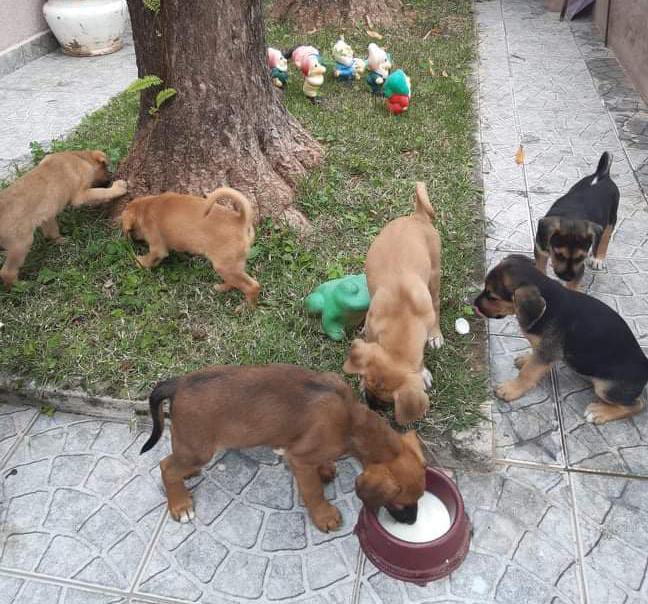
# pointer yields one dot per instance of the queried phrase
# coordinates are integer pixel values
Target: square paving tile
(14, 419)
(620, 446)
(526, 429)
(613, 523)
(27, 591)
(252, 537)
(79, 501)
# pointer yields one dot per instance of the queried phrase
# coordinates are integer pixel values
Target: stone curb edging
(19, 391)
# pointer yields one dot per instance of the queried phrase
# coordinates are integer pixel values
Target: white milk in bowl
(432, 521)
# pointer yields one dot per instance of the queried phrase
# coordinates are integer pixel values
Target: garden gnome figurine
(378, 65)
(341, 302)
(307, 60)
(347, 67)
(397, 90)
(279, 67)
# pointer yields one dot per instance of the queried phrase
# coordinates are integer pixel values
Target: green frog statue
(341, 302)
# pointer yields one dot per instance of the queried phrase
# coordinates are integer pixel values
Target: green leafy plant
(164, 95)
(48, 410)
(152, 5)
(147, 82)
(144, 83)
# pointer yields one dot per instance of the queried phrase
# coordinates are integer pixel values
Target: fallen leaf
(432, 72)
(435, 30)
(312, 31)
(519, 155)
(369, 23)
(444, 73)
(374, 34)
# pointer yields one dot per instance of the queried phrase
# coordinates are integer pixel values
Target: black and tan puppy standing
(566, 325)
(581, 220)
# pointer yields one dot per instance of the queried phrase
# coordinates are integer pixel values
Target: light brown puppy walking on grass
(314, 417)
(403, 270)
(200, 226)
(34, 200)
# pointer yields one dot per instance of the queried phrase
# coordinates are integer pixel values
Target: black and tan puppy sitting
(570, 326)
(581, 220)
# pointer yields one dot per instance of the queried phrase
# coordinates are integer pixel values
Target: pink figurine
(307, 60)
(279, 67)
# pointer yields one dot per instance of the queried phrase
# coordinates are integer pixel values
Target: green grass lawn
(85, 315)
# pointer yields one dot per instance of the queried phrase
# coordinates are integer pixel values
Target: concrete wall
(19, 20)
(627, 36)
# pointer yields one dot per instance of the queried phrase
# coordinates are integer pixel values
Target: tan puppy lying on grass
(35, 199)
(199, 226)
(403, 270)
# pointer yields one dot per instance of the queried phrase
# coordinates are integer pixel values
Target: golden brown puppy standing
(35, 199)
(199, 226)
(313, 416)
(403, 270)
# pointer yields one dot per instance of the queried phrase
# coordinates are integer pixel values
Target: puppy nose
(477, 311)
(407, 514)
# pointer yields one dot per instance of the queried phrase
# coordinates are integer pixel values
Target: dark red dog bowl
(419, 562)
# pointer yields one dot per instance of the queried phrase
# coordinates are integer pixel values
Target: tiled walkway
(48, 97)
(562, 519)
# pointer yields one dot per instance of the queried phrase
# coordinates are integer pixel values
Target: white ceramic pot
(87, 27)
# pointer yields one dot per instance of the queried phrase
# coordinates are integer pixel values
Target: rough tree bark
(310, 14)
(226, 125)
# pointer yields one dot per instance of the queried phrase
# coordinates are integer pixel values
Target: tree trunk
(312, 14)
(226, 125)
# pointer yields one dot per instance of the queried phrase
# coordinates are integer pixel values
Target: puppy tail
(241, 203)
(424, 208)
(603, 168)
(163, 391)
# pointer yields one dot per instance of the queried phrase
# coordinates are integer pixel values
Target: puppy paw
(327, 472)
(597, 413)
(182, 511)
(427, 378)
(520, 360)
(511, 390)
(120, 187)
(596, 264)
(436, 341)
(327, 517)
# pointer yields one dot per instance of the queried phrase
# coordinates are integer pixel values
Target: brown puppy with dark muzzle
(567, 325)
(313, 416)
(403, 270)
(35, 200)
(580, 220)
(199, 226)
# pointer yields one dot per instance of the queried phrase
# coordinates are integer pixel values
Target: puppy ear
(547, 226)
(595, 230)
(410, 404)
(99, 157)
(411, 440)
(376, 486)
(358, 359)
(530, 306)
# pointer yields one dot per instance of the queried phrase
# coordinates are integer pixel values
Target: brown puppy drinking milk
(35, 199)
(403, 270)
(199, 226)
(313, 416)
